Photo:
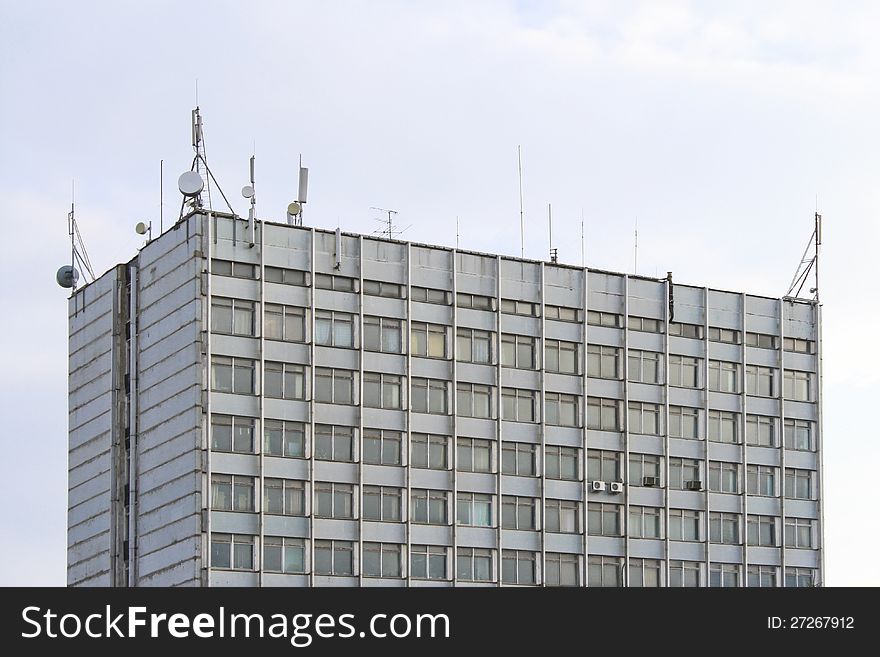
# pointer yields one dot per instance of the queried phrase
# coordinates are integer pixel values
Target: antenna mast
(68, 275)
(198, 143)
(389, 230)
(522, 238)
(554, 256)
(809, 263)
(636, 250)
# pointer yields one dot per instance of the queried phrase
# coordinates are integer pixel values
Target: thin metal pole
(161, 196)
(550, 225)
(583, 261)
(522, 238)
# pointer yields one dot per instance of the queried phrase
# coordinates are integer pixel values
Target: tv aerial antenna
(809, 263)
(68, 275)
(389, 230)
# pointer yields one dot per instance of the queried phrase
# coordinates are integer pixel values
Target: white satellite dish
(190, 183)
(294, 209)
(247, 191)
(141, 228)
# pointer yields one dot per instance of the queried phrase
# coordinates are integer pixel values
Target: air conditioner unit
(653, 482)
(696, 484)
(598, 486)
(616, 487)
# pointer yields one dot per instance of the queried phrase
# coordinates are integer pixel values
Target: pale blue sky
(715, 124)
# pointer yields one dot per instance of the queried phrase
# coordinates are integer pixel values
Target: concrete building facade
(289, 406)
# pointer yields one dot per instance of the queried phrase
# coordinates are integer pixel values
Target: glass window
(334, 558)
(519, 405)
(684, 422)
(603, 414)
(761, 340)
(232, 551)
(561, 356)
(475, 301)
(232, 434)
(723, 376)
(334, 443)
(232, 316)
(596, 318)
(382, 503)
(645, 522)
(382, 560)
(761, 480)
(230, 268)
(604, 519)
(562, 313)
(475, 564)
(645, 470)
(799, 533)
(382, 390)
(428, 340)
(798, 386)
(382, 334)
(759, 380)
(684, 525)
(429, 451)
(335, 282)
(518, 351)
(232, 492)
(474, 346)
(285, 497)
(519, 512)
(724, 528)
(286, 276)
(561, 462)
(684, 474)
(385, 289)
(761, 530)
(430, 295)
(730, 336)
(474, 509)
(644, 573)
(428, 562)
(762, 576)
(429, 506)
(284, 438)
(235, 375)
(724, 575)
(604, 571)
(284, 554)
(562, 516)
(474, 400)
(646, 324)
(334, 329)
(645, 419)
(284, 380)
(561, 410)
(799, 435)
(686, 330)
(684, 371)
(429, 396)
(602, 361)
(800, 577)
(334, 500)
(561, 569)
(761, 430)
(519, 459)
(723, 427)
(799, 345)
(603, 465)
(474, 455)
(723, 477)
(644, 366)
(518, 567)
(335, 386)
(284, 323)
(382, 446)
(685, 574)
(798, 484)
(516, 307)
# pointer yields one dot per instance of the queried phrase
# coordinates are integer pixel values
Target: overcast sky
(714, 125)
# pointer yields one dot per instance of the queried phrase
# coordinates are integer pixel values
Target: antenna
(809, 263)
(636, 250)
(248, 191)
(198, 143)
(142, 229)
(554, 255)
(522, 239)
(390, 231)
(67, 276)
(161, 196)
(457, 234)
(191, 183)
(583, 261)
(295, 209)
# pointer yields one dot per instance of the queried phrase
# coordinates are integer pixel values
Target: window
(235, 269)
(645, 324)
(385, 289)
(334, 500)
(562, 516)
(644, 418)
(429, 451)
(761, 480)
(603, 519)
(334, 443)
(382, 560)
(519, 405)
(333, 386)
(724, 575)
(603, 465)
(232, 492)
(475, 564)
(382, 390)
(516, 307)
(429, 295)
(723, 477)
(475, 301)
(644, 366)
(799, 435)
(429, 396)
(644, 572)
(684, 371)
(684, 422)
(474, 455)
(645, 522)
(232, 316)
(723, 427)
(382, 334)
(429, 506)
(561, 410)
(474, 400)
(798, 533)
(596, 318)
(798, 386)
(724, 528)
(382, 447)
(603, 414)
(518, 567)
(382, 503)
(798, 484)
(518, 351)
(232, 551)
(684, 525)
(686, 330)
(334, 558)
(428, 340)
(562, 313)
(762, 576)
(561, 569)
(234, 375)
(605, 571)
(286, 276)
(519, 459)
(799, 345)
(602, 361)
(334, 329)
(284, 323)
(284, 555)
(284, 438)
(685, 574)
(761, 530)
(519, 512)
(474, 509)
(428, 562)
(723, 376)
(730, 336)
(561, 462)
(335, 282)
(284, 497)
(800, 577)
(761, 430)
(684, 474)
(284, 381)
(474, 346)
(759, 380)
(561, 356)
(762, 340)
(232, 434)
(645, 469)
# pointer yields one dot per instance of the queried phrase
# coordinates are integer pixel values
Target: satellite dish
(294, 209)
(247, 191)
(190, 183)
(141, 228)
(67, 276)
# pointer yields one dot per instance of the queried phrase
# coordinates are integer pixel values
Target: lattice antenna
(389, 229)
(809, 263)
